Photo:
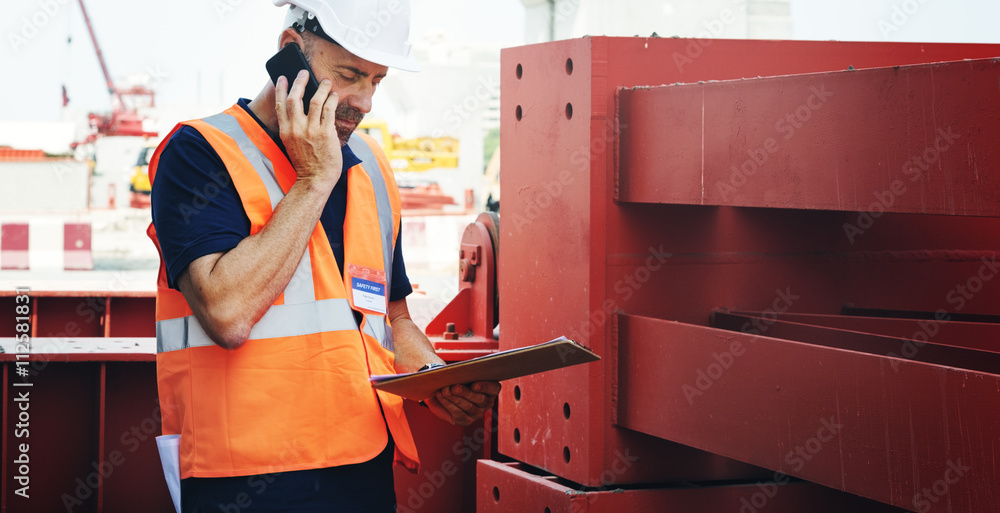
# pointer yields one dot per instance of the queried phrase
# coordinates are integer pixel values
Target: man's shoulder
(187, 151)
(185, 137)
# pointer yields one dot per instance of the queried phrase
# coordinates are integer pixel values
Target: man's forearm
(412, 348)
(231, 291)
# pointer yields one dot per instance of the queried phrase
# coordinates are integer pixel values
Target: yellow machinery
(418, 154)
(139, 183)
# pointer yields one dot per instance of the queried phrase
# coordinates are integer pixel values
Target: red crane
(124, 118)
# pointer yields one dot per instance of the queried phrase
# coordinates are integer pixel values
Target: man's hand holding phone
(311, 140)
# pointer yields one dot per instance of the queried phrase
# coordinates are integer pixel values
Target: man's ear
(289, 35)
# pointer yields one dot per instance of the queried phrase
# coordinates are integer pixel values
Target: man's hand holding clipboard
(513, 363)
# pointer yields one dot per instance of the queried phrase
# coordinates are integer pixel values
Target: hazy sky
(184, 43)
(955, 21)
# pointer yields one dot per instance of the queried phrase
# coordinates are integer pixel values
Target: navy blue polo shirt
(197, 211)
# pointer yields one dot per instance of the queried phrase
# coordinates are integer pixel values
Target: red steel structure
(94, 413)
(782, 250)
(785, 260)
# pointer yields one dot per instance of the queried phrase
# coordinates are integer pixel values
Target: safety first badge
(367, 288)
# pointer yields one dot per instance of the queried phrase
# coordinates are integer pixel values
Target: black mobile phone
(288, 62)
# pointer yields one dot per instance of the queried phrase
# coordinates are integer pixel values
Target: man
(282, 286)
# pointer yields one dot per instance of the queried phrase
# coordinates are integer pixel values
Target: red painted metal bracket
(464, 328)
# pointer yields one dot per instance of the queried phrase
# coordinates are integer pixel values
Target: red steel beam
(512, 487)
(939, 329)
(905, 139)
(954, 300)
(928, 352)
(838, 418)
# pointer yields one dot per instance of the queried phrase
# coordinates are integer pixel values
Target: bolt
(466, 271)
(449, 331)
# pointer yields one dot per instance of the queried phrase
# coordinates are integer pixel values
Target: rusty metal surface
(886, 430)
(572, 255)
(512, 487)
(906, 139)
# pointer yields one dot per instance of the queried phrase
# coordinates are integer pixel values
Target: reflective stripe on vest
(370, 163)
(279, 321)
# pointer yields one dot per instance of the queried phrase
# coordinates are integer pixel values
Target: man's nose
(362, 99)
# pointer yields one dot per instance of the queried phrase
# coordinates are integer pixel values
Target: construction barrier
(46, 244)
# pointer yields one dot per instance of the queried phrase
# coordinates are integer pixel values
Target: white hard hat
(375, 30)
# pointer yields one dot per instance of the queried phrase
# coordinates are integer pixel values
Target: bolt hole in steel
(519, 71)
(547, 510)
(518, 113)
(569, 68)
(496, 494)
(566, 454)
(517, 393)
(566, 410)
(569, 111)
(517, 436)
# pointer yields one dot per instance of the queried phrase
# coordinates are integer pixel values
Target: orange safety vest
(296, 396)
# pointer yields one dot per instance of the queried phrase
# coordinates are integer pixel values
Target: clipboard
(512, 363)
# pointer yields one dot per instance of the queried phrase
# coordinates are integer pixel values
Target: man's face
(354, 80)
